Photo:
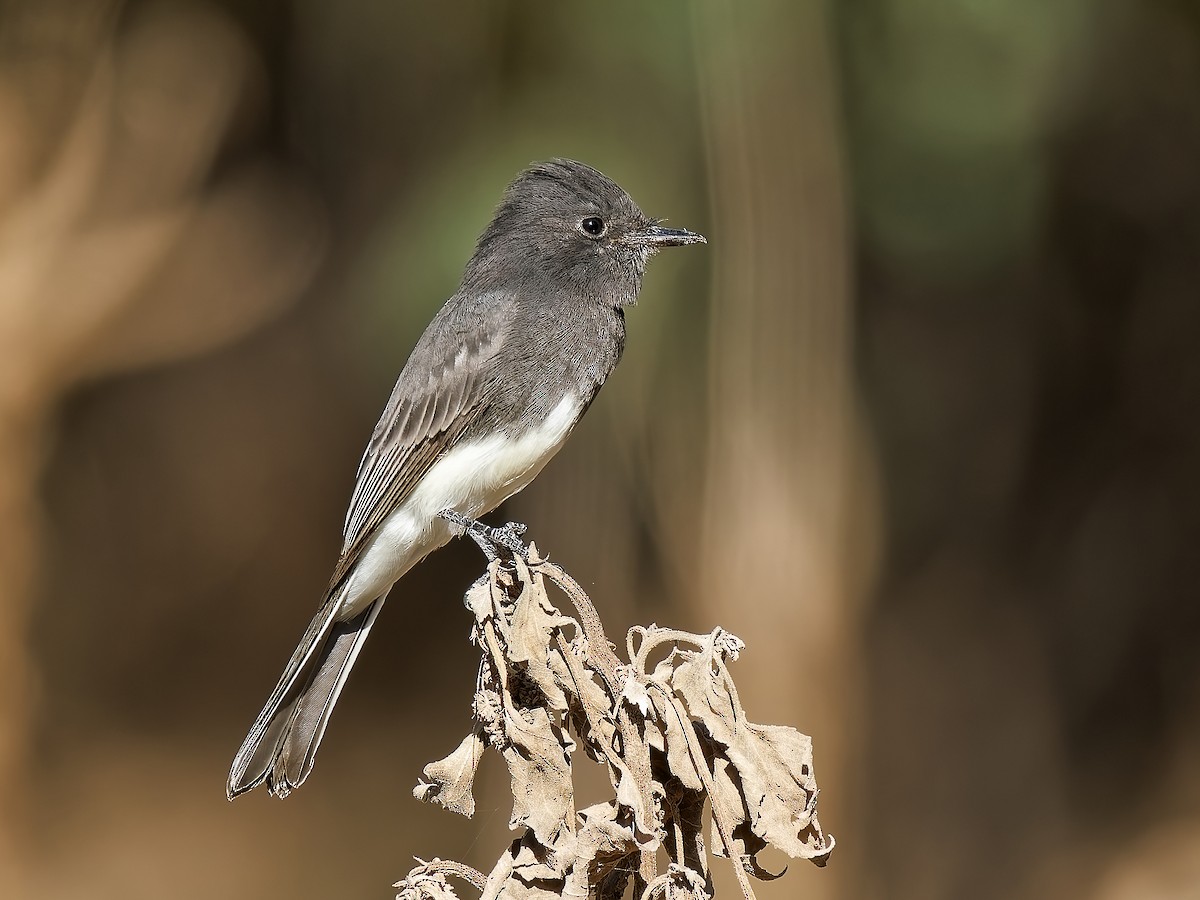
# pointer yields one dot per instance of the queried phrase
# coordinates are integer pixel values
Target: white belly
(473, 479)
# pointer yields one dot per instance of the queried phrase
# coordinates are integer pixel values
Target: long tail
(282, 743)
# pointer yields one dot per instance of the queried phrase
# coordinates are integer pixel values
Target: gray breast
(552, 352)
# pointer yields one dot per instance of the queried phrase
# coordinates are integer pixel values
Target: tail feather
(282, 744)
(297, 748)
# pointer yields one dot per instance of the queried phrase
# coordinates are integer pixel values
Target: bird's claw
(490, 540)
(508, 536)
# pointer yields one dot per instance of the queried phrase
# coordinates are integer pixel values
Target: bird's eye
(593, 225)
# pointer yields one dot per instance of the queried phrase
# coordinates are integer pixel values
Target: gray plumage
(492, 388)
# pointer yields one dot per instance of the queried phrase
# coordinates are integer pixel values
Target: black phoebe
(491, 391)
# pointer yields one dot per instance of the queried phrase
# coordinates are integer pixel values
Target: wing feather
(440, 394)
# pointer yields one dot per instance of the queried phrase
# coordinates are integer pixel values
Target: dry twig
(671, 737)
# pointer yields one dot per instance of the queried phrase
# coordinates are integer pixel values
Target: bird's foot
(490, 540)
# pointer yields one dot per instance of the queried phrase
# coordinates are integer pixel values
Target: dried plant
(672, 735)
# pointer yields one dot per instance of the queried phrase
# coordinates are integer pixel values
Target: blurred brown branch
(119, 248)
(672, 737)
(788, 487)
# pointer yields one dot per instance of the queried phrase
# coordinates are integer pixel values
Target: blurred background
(919, 424)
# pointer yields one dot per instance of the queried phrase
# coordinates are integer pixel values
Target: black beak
(656, 236)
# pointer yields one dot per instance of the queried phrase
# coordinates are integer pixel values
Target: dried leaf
(498, 878)
(540, 768)
(729, 806)
(425, 886)
(534, 862)
(602, 845)
(633, 692)
(676, 745)
(587, 702)
(775, 765)
(478, 598)
(630, 795)
(516, 889)
(678, 883)
(451, 779)
(698, 679)
(600, 834)
(529, 637)
(685, 810)
(504, 882)
(428, 880)
(773, 778)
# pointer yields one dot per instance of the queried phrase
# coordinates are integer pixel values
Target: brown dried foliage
(671, 735)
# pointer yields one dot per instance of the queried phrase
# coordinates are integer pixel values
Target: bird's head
(565, 222)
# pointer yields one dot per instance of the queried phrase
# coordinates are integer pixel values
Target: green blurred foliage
(952, 107)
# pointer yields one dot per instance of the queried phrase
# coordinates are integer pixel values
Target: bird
(491, 390)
